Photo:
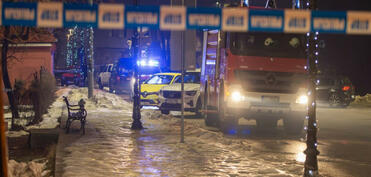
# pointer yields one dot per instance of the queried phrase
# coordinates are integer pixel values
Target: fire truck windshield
(267, 45)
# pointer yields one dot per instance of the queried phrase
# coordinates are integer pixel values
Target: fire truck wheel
(211, 119)
(229, 126)
(293, 125)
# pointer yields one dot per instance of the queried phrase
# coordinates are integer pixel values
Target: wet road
(344, 142)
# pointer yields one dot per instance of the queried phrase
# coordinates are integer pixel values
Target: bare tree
(11, 35)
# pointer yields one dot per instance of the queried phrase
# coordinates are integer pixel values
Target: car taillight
(118, 78)
(346, 88)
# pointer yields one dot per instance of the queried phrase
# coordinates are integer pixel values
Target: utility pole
(91, 60)
(311, 162)
(137, 124)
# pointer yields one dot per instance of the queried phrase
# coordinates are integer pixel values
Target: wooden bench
(76, 112)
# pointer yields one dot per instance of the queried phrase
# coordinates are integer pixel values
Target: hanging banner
(172, 18)
(204, 18)
(111, 16)
(297, 21)
(22, 14)
(119, 16)
(146, 16)
(235, 19)
(50, 14)
(262, 20)
(358, 22)
(80, 15)
(328, 22)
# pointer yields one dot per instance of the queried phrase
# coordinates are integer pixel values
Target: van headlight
(303, 99)
(237, 96)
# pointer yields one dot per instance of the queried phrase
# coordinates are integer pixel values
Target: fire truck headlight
(237, 96)
(303, 99)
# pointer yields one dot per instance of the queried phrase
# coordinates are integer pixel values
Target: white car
(105, 75)
(170, 96)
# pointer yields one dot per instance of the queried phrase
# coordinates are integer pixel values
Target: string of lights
(311, 163)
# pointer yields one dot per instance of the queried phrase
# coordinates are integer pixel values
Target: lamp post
(137, 124)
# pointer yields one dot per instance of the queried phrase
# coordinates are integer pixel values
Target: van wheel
(334, 100)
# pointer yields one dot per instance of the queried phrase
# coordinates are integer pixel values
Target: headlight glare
(236, 96)
(303, 99)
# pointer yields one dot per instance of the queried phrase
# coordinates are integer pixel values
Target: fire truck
(255, 76)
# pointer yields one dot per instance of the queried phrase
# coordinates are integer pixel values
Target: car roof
(173, 74)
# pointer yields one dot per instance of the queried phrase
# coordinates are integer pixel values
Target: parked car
(335, 90)
(72, 77)
(104, 75)
(122, 76)
(151, 87)
(170, 96)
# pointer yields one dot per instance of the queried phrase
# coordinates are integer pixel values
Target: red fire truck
(256, 76)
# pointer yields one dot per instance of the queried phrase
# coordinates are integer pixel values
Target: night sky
(349, 55)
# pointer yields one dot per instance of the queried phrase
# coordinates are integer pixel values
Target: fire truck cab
(256, 76)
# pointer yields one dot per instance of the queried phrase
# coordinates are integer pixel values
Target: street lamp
(137, 124)
(311, 162)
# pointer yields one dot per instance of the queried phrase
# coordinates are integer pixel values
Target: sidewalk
(110, 148)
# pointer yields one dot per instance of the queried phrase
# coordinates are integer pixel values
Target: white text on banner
(297, 21)
(358, 22)
(235, 19)
(111, 16)
(49, 14)
(172, 18)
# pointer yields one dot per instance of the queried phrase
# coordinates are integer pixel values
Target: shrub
(42, 93)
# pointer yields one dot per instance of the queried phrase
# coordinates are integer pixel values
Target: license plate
(270, 99)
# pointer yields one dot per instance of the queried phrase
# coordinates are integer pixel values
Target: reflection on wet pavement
(110, 148)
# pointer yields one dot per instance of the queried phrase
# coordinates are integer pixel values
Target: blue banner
(119, 16)
(263, 20)
(329, 22)
(80, 15)
(145, 16)
(205, 18)
(19, 14)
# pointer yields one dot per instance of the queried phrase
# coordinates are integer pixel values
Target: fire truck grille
(270, 82)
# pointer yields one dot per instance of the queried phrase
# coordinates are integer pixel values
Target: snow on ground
(364, 101)
(110, 148)
(35, 168)
(101, 100)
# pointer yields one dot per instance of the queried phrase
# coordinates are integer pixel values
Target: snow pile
(30, 169)
(362, 101)
(100, 100)
(16, 133)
